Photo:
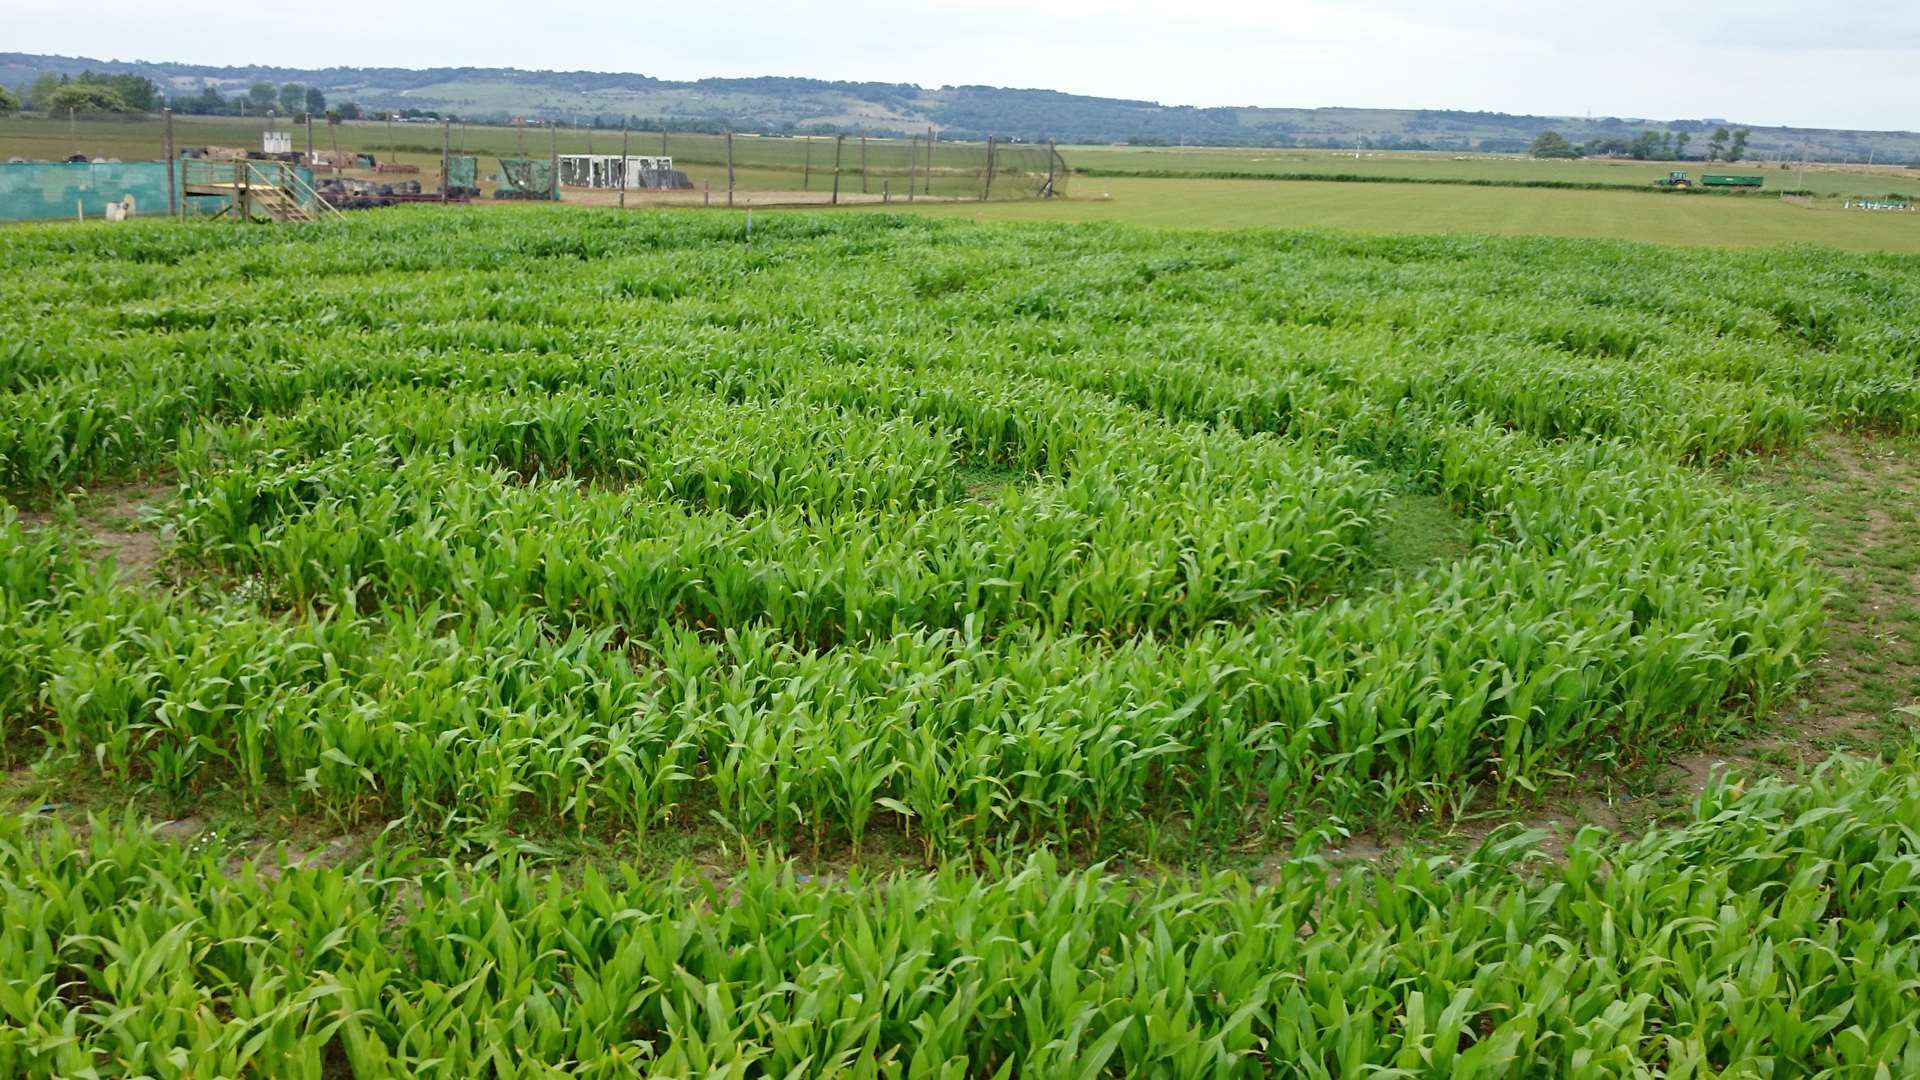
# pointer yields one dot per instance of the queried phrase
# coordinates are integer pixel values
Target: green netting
(526, 178)
(36, 191)
(463, 174)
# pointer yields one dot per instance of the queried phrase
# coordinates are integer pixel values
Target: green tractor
(1674, 180)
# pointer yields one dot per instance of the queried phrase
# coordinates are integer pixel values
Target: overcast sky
(1838, 63)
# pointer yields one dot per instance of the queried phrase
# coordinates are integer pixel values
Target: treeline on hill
(782, 105)
(1723, 144)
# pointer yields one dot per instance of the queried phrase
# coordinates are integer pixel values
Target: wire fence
(738, 169)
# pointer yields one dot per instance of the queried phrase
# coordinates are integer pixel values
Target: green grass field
(1693, 221)
(1415, 165)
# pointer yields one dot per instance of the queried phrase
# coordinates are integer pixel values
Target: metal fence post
(839, 141)
(173, 197)
(623, 164)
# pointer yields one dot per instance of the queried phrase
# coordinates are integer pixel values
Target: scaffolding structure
(604, 171)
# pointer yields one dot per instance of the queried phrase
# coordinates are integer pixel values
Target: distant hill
(792, 105)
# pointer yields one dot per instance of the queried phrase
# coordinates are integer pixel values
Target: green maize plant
(1773, 935)
(1002, 549)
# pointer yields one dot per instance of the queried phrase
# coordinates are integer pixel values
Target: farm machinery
(1680, 181)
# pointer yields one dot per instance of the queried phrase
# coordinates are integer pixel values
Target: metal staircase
(255, 190)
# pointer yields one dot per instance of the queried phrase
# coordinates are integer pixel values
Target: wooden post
(553, 160)
(838, 142)
(73, 143)
(1052, 156)
(706, 188)
(986, 192)
(863, 164)
(729, 167)
(886, 195)
(663, 142)
(926, 177)
(913, 164)
(389, 132)
(173, 198)
(806, 169)
(623, 164)
(309, 138)
(446, 158)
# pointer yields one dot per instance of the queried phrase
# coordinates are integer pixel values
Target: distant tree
(261, 97)
(1645, 146)
(207, 102)
(1739, 148)
(1666, 146)
(293, 98)
(316, 101)
(137, 91)
(348, 110)
(1552, 144)
(86, 97)
(1717, 145)
(42, 88)
(1680, 142)
(9, 101)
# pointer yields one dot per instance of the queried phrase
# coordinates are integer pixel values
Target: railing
(239, 178)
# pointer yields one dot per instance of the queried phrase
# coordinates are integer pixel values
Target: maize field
(1011, 548)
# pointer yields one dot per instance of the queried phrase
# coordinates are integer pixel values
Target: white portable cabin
(276, 142)
(603, 170)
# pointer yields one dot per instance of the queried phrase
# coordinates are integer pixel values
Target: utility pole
(729, 168)
(553, 161)
(986, 192)
(926, 178)
(913, 164)
(806, 168)
(446, 157)
(863, 163)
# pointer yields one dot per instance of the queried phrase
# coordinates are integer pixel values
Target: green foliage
(9, 101)
(1552, 144)
(1775, 935)
(85, 97)
(582, 519)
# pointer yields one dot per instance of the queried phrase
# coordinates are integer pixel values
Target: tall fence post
(926, 178)
(446, 157)
(1052, 156)
(729, 168)
(863, 164)
(913, 163)
(309, 138)
(839, 141)
(553, 160)
(986, 192)
(173, 197)
(623, 164)
(806, 169)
